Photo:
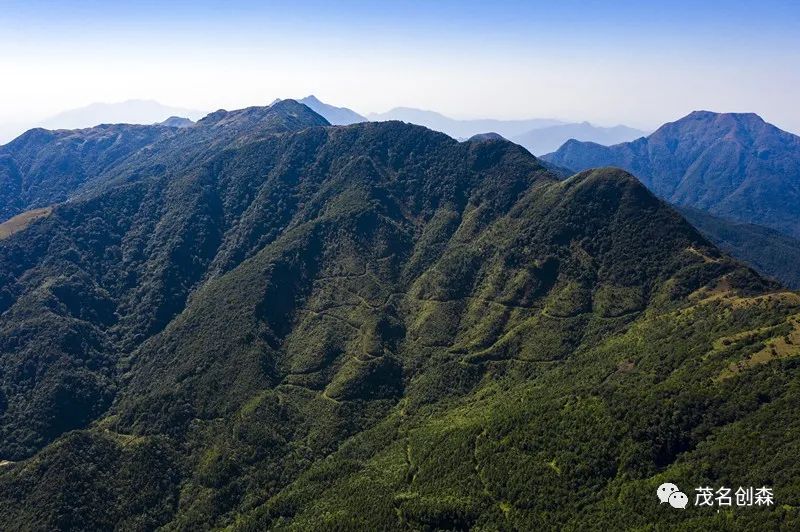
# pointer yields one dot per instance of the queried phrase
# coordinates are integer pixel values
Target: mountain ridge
(538, 135)
(128, 112)
(42, 167)
(548, 139)
(267, 322)
(461, 128)
(338, 116)
(732, 165)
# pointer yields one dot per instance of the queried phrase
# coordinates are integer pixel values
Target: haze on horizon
(605, 62)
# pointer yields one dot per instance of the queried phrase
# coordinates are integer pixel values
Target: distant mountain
(548, 139)
(128, 112)
(768, 251)
(730, 165)
(538, 135)
(176, 121)
(462, 129)
(338, 116)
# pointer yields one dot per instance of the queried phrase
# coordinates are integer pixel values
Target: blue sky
(638, 63)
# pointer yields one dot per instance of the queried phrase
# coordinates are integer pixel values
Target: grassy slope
(21, 221)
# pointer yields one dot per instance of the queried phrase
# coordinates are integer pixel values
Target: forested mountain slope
(768, 251)
(43, 167)
(377, 327)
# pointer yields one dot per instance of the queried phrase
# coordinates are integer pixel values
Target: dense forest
(771, 253)
(266, 322)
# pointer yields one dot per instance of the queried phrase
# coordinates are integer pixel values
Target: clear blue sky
(639, 63)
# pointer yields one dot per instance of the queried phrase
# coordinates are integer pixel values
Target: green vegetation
(735, 177)
(375, 327)
(768, 252)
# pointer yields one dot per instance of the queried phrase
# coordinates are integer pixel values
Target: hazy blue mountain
(731, 165)
(128, 112)
(338, 116)
(548, 139)
(176, 121)
(462, 129)
(538, 135)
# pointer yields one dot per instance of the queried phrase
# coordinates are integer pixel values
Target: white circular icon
(678, 500)
(665, 490)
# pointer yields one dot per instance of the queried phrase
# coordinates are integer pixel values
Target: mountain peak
(289, 106)
(282, 115)
(176, 121)
(732, 165)
(482, 137)
(310, 99)
(746, 118)
(619, 177)
(338, 116)
(700, 114)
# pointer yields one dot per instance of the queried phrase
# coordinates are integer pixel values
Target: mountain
(43, 167)
(538, 135)
(176, 121)
(485, 137)
(462, 129)
(264, 322)
(128, 112)
(548, 139)
(768, 251)
(340, 116)
(730, 165)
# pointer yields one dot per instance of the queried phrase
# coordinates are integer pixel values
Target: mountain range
(127, 112)
(538, 135)
(740, 171)
(462, 129)
(264, 321)
(548, 139)
(732, 165)
(338, 116)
